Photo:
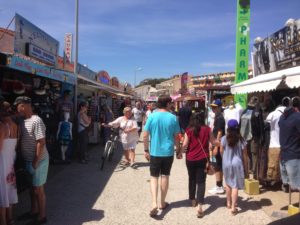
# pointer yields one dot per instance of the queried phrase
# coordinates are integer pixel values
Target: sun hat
(22, 100)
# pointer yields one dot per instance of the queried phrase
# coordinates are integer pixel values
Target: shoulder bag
(210, 169)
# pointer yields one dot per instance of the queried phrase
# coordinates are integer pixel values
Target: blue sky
(164, 37)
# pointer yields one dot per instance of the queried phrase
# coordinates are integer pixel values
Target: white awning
(269, 81)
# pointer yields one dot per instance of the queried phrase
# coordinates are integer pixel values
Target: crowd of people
(232, 143)
(228, 141)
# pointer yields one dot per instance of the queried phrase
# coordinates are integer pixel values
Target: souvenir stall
(276, 64)
(24, 76)
(89, 92)
(214, 86)
(197, 103)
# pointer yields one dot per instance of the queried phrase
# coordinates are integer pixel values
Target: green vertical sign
(242, 47)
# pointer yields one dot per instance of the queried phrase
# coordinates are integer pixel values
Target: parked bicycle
(110, 146)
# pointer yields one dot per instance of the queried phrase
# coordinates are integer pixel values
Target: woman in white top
(8, 188)
(128, 134)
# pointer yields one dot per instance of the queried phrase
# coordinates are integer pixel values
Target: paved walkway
(82, 194)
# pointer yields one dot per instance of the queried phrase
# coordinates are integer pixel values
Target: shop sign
(68, 47)
(64, 66)
(279, 51)
(115, 82)
(18, 63)
(85, 72)
(63, 76)
(242, 46)
(41, 55)
(26, 32)
(103, 77)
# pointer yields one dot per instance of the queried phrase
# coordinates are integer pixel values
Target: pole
(134, 78)
(76, 56)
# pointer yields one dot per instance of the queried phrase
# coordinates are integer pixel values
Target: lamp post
(76, 56)
(137, 69)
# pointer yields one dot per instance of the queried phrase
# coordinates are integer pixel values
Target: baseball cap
(22, 99)
(233, 123)
(216, 103)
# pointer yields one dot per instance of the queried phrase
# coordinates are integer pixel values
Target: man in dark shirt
(218, 132)
(184, 116)
(289, 138)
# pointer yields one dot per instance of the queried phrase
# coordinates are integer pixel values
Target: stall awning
(270, 81)
(97, 85)
(124, 95)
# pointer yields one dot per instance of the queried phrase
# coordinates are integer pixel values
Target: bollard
(292, 210)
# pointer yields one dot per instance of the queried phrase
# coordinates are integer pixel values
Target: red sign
(68, 47)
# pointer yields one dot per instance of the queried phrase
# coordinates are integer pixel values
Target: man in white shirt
(138, 115)
(273, 172)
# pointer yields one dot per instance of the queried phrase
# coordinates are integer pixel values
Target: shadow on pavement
(291, 220)
(182, 203)
(73, 192)
(138, 165)
(216, 202)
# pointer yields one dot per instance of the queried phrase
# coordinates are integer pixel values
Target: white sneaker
(216, 190)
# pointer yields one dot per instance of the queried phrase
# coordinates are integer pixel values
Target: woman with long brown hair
(233, 150)
(196, 145)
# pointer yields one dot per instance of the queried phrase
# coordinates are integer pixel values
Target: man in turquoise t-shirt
(163, 128)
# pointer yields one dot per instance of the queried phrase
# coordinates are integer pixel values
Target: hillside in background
(152, 82)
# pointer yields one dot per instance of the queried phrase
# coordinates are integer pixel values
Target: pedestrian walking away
(163, 128)
(138, 115)
(184, 115)
(234, 151)
(196, 147)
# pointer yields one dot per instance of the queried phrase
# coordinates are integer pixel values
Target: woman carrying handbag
(196, 146)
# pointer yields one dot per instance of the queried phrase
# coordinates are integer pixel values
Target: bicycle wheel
(105, 153)
(111, 151)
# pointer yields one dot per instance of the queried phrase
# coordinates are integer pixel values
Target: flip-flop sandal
(234, 212)
(200, 214)
(166, 206)
(153, 212)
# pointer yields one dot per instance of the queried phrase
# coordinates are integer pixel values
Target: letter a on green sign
(242, 47)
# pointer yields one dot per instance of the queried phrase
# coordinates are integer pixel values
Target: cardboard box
(292, 210)
(251, 186)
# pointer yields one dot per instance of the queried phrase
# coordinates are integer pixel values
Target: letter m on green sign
(242, 76)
